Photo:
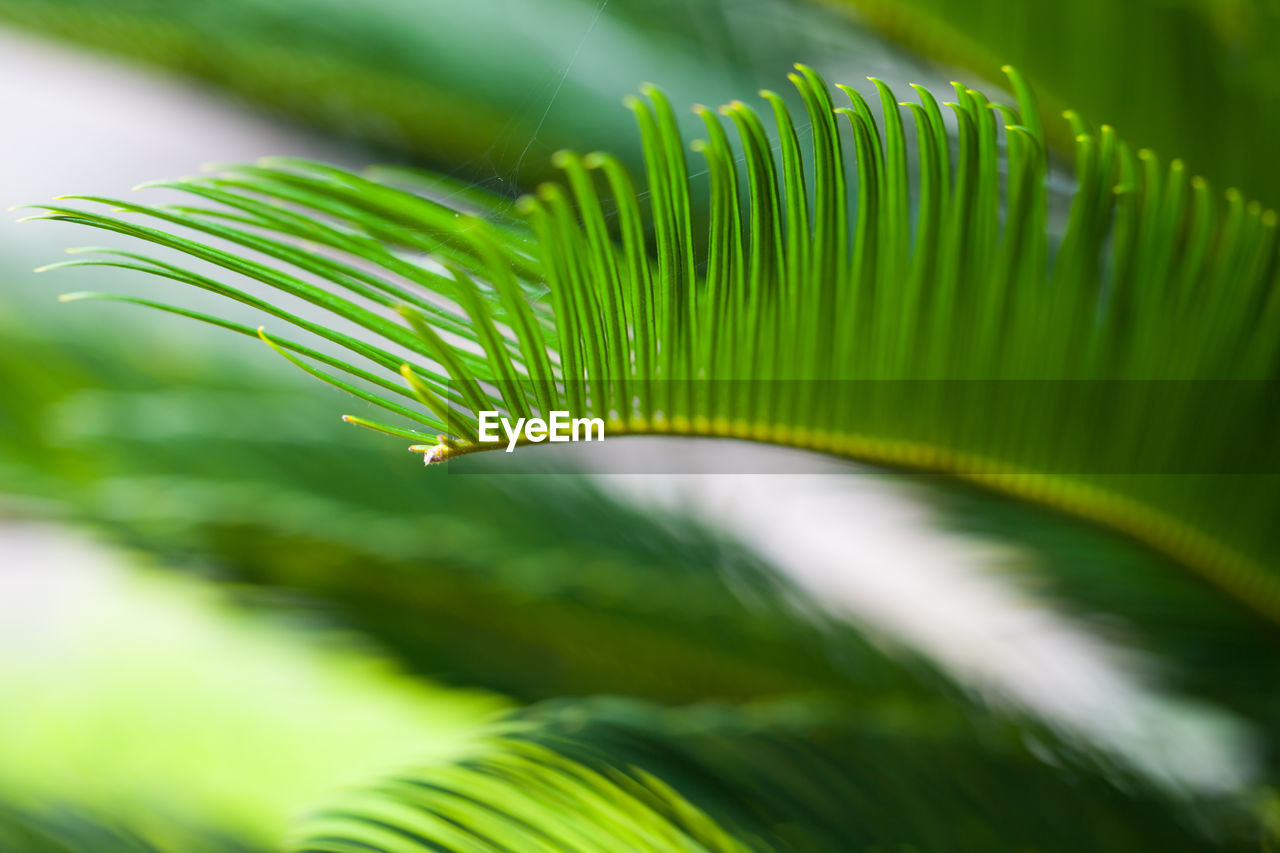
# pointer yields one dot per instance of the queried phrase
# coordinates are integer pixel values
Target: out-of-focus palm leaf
(781, 776)
(137, 703)
(1197, 643)
(67, 830)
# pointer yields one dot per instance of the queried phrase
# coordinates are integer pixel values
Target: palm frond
(814, 282)
(774, 776)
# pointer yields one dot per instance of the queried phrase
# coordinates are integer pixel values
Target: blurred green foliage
(545, 586)
(485, 89)
(539, 586)
(542, 586)
(1196, 79)
(769, 776)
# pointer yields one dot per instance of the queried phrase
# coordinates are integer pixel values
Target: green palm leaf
(814, 281)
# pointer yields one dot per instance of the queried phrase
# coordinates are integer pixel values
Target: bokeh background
(222, 610)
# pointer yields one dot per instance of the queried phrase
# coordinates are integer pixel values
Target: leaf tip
(432, 453)
(526, 204)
